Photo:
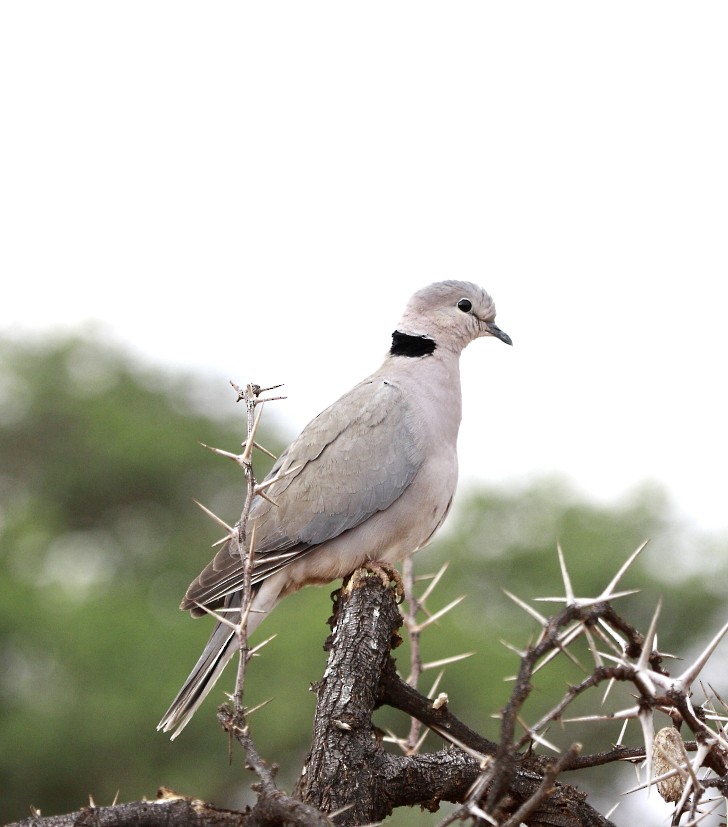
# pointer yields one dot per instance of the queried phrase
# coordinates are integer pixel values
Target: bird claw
(387, 574)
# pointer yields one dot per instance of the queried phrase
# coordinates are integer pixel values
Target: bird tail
(220, 648)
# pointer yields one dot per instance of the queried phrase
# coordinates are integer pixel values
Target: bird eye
(465, 305)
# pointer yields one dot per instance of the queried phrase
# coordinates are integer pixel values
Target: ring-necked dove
(374, 476)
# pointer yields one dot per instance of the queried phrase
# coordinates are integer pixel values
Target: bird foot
(387, 573)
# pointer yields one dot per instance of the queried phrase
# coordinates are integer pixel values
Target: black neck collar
(403, 344)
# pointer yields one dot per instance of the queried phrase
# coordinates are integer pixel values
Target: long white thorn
(685, 680)
(632, 712)
(651, 783)
(585, 602)
(648, 733)
(621, 733)
(520, 652)
(622, 643)
(392, 738)
(618, 576)
(598, 662)
(267, 498)
(249, 712)
(272, 388)
(479, 812)
(646, 652)
(238, 458)
(220, 618)
(343, 809)
(534, 736)
(450, 738)
(259, 646)
(214, 516)
(692, 782)
(220, 452)
(278, 477)
(434, 664)
(568, 590)
(526, 608)
(435, 580)
(264, 450)
(435, 617)
(435, 684)
(565, 639)
(706, 814)
(420, 741)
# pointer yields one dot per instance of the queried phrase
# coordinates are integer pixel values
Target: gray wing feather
(352, 460)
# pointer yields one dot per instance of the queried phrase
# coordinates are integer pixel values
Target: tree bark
(349, 775)
(167, 810)
(347, 767)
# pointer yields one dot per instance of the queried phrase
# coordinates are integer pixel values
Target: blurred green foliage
(99, 460)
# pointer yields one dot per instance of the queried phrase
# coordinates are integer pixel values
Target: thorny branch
(417, 605)
(504, 783)
(349, 768)
(633, 660)
(251, 395)
(349, 778)
(279, 808)
(240, 540)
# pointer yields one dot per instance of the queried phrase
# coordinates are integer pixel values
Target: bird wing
(354, 459)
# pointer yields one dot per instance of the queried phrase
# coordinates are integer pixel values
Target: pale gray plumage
(373, 477)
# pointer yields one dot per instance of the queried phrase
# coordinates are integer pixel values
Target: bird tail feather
(220, 648)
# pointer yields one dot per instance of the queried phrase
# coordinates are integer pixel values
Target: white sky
(255, 189)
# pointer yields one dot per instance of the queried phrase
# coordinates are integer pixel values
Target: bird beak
(494, 330)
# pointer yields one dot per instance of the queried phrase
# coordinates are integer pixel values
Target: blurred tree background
(99, 461)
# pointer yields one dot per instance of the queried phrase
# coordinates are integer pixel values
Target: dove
(369, 480)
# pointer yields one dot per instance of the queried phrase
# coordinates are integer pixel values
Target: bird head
(451, 314)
